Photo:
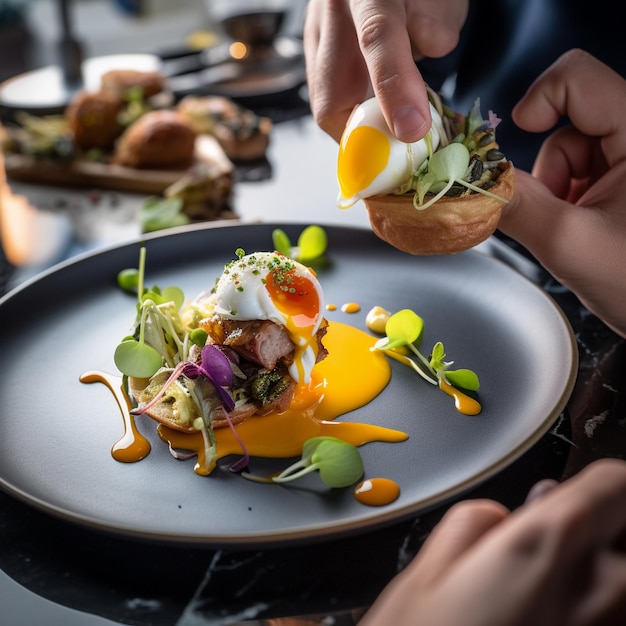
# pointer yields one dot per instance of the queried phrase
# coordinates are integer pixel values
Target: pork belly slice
(260, 341)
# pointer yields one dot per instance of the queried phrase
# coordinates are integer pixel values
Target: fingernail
(540, 489)
(407, 123)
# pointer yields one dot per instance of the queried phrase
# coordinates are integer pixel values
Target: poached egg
(270, 286)
(371, 160)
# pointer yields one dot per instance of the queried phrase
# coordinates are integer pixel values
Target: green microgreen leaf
(136, 356)
(198, 337)
(281, 242)
(463, 378)
(339, 463)
(161, 213)
(128, 279)
(404, 329)
(173, 294)
(446, 166)
(312, 244)
(137, 359)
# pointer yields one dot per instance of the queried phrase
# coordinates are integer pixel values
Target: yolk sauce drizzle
(348, 378)
(133, 446)
(464, 404)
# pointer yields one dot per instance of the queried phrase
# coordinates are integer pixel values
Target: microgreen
(445, 167)
(160, 213)
(312, 244)
(214, 366)
(404, 329)
(450, 164)
(135, 356)
(339, 463)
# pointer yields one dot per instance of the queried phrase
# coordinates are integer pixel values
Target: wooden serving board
(82, 173)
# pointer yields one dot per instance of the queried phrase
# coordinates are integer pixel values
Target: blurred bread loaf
(158, 139)
(94, 119)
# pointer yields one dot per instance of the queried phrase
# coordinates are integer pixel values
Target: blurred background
(33, 33)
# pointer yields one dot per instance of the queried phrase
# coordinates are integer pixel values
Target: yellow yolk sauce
(350, 377)
(133, 446)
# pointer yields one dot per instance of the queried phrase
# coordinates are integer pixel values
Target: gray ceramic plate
(56, 433)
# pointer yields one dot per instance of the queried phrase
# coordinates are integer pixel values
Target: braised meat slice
(261, 341)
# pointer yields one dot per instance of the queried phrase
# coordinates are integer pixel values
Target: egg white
(404, 158)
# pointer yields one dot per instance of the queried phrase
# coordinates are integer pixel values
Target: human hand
(559, 559)
(357, 48)
(571, 214)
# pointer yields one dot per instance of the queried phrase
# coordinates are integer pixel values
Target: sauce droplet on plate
(350, 307)
(377, 491)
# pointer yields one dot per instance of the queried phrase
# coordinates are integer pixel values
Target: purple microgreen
(216, 368)
(213, 368)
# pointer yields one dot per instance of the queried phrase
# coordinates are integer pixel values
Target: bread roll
(158, 139)
(94, 120)
(451, 225)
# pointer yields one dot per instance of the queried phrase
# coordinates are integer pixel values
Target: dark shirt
(506, 44)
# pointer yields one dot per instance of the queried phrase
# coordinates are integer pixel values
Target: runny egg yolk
(295, 296)
(363, 155)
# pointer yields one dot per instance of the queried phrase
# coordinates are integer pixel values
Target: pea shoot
(140, 356)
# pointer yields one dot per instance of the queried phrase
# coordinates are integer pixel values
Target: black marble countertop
(57, 572)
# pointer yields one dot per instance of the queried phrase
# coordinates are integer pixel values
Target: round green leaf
(463, 378)
(136, 359)
(312, 243)
(281, 241)
(339, 463)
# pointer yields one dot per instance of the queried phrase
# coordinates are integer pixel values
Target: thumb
(531, 212)
(548, 227)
